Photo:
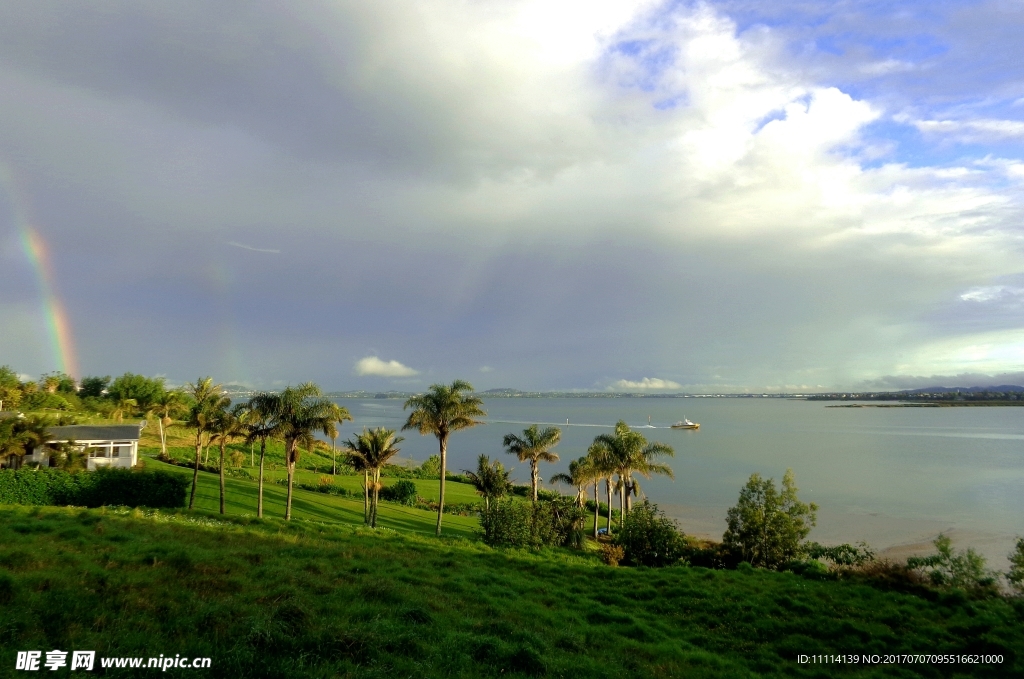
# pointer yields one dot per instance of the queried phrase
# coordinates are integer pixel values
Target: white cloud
(979, 129)
(486, 369)
(647, 383)
(371, 365)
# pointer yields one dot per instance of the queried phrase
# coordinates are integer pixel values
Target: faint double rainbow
(58, 327)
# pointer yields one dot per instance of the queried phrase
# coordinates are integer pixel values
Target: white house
(108, 445)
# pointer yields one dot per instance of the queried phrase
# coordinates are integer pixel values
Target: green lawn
(270, 599)
(241, 501)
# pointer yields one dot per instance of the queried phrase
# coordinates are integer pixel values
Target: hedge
(93, 489)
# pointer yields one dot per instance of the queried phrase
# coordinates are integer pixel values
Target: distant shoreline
(933, 404)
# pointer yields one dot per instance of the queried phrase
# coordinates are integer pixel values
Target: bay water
(892, 477)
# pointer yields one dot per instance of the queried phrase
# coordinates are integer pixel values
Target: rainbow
(56, 318)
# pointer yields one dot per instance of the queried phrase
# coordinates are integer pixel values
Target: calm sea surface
(893, 477)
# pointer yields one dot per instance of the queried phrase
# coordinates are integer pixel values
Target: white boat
(686, 424)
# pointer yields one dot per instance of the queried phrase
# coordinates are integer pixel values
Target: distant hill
(1003, 388)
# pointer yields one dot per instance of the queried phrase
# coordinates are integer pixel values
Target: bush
(612, 554)
(431, 467)
(93, 489)
(948, 569)
(1016, 574)
(507, 524)
(840, 556)
(649, 538)
(402, 491)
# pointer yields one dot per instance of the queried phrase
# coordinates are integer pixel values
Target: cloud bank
(647, 383)
(371, 365)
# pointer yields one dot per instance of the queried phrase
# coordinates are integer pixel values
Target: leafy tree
(303, 411)
(534, 446)
(962, 570)
(145, 391)
(10, 388)
(370, 451)
(1016, 574)
(58, 382)
(766, 526)
(19, 436)
(93, 387)
(261, 423)
(628, 452)
(207, 400)
(490, 479)
(431, 466)
(649, 538)
(442, 410)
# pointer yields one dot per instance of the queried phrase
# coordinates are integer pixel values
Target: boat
(686, 424)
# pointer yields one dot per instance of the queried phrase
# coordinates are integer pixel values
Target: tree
(207, 399)
(19, 436)
(601, 470)
(490, 480)
(145, 391)
(627, 452)
(946, 568)
(649, 538)
(225, 424)
(303, 411)
(58, 382)
(10, 388)
(534, 446)
(766, 526)
(1015, 576)
(121, 406)
(261, 423)
(165, 407)
(93, 387)
(370, 451)
(442, 410)
(578, 477)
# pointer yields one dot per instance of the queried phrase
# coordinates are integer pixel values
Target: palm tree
(343, 415)
(490, 479)
(207, 399)
(535, 446)
(627, 452)
(260, 424)
(371, 450)
(121, 406)
(303, 411)
(167, 405)
(577, 476)
(226, 425)
(441, 411)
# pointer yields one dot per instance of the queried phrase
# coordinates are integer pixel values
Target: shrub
(649, 538)
(948, 569)
(612, 554)
(93, 489)
(431, 467)
(840, 556)
(237, 459)
(402, 491)
(766, 526)
(507, 524)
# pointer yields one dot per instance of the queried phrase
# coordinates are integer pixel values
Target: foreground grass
(269, 599)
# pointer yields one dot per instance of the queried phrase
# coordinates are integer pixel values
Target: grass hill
(308, 599)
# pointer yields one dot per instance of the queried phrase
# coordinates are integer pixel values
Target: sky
(546, 195)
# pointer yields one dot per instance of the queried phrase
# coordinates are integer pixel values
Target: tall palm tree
(442, 410)
(371, 450)
(601, 466)
(207, 399)
(226, 424)
(577, 476)
(165, 407)
(303, 411)
(534, 446)
(260, 424)
(490, 479)
(628, 452)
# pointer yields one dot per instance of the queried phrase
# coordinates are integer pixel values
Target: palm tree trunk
(487, 504)
(376, 497)
(334, 460)
(533, 478)
(597, 506)
(366, 497)
(289, 452)
(622, 503)
(259, 493)
(163, 440)
(443, 444)
(629, 496)
(252, 462)
(195, 474)
(608, 490)
(222, 476)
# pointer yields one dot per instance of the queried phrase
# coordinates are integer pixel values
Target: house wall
(121, 454)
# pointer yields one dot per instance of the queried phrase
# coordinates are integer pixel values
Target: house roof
(96, 432)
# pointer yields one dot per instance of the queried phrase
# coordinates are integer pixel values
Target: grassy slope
(272, 600)
(240, 500)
